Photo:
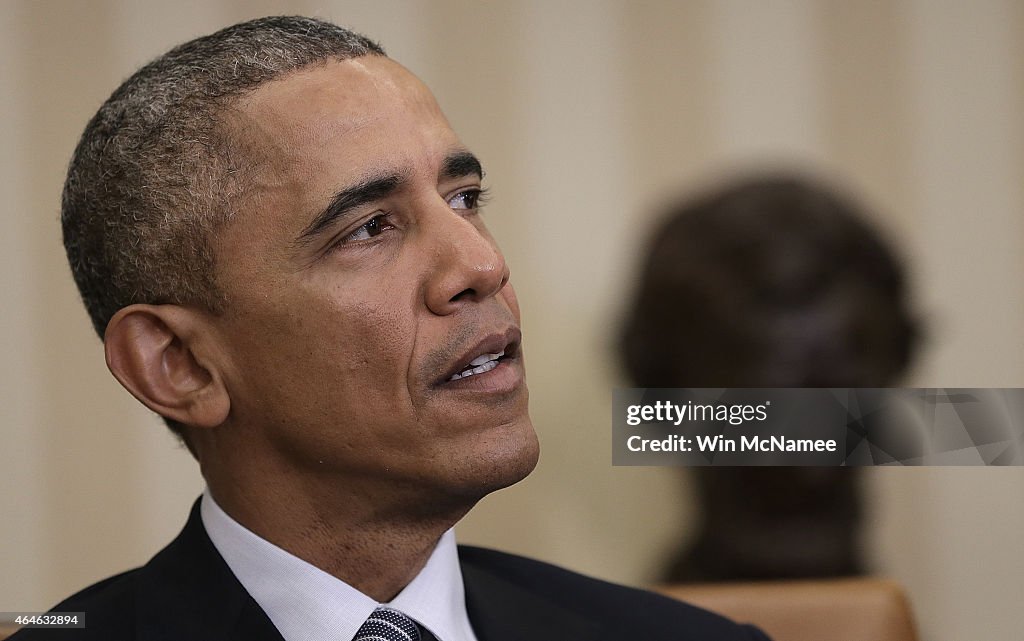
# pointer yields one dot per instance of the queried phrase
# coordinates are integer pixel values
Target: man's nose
(468, 266)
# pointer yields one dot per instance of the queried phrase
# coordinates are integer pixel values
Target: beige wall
(585, 113)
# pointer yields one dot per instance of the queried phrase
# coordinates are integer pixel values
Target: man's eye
(468, 199)
(373, 227)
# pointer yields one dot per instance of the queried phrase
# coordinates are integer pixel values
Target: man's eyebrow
(461, 163)
(348, 199)
(456, 165)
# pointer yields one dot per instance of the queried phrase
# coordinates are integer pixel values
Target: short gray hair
(155, 170)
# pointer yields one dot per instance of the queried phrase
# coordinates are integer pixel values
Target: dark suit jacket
(188, 593)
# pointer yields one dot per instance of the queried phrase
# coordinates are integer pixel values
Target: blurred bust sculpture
(769, 282)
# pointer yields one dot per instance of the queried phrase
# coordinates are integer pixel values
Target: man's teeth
(483, 358)
(479, 365)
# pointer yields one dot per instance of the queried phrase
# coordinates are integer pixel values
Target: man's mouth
(479, 365)
(488, 354)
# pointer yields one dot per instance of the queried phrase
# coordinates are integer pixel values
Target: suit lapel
(500, 610)
(187, 591)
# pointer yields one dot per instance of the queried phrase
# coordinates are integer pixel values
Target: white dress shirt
(307, 604)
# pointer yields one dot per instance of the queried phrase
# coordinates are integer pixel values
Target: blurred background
(588, 115)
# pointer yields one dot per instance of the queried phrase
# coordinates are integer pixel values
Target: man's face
(362, 287)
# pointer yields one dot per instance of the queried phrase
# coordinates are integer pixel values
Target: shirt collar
(306, 603)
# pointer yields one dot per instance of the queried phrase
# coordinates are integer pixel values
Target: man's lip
(507, 341)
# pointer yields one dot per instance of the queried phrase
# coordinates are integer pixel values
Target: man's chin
(508, 458)
(518, 467)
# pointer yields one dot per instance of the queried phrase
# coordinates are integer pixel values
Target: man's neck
(377, 550)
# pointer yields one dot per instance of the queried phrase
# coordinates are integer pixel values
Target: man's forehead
(341, 107)
(345, 94)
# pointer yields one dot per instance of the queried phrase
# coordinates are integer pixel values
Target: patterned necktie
(386, 624)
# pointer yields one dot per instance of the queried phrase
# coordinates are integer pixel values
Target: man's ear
(153, 350)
